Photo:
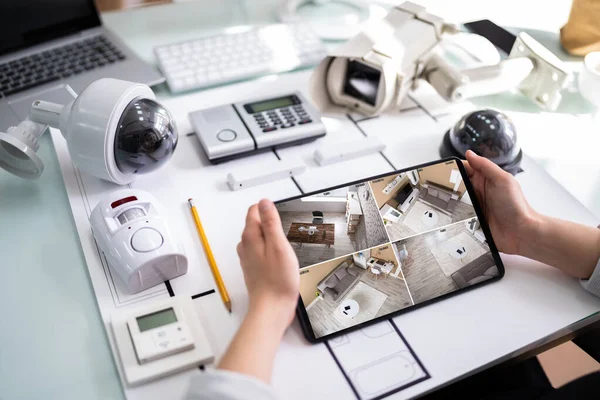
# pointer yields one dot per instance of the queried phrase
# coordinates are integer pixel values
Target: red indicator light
(117, 203)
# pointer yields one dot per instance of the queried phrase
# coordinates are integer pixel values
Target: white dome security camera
(114, 130)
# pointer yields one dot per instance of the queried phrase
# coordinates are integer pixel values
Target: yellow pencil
(210, 257)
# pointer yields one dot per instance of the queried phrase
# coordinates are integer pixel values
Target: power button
(226, 135)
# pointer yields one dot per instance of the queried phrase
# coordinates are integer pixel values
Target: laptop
(51, 50)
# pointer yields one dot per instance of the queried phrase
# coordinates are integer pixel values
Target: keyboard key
(52, 64)
(178, 83)
(31, 85)
(183, 73)
(270, 129)
(286, 126)
(304, 121)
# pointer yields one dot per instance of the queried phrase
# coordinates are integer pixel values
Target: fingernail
(264, 205)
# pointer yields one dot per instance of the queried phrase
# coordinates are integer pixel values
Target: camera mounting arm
(18, 147)
(530, 67)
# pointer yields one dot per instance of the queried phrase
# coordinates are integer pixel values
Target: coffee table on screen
(349, 308)
(324, 234)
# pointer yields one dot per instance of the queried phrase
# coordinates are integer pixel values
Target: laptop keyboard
(57, 63)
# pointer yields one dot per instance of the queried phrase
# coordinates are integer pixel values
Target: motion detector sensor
(114, 131)
(130, 229)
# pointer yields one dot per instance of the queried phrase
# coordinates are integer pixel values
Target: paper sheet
(385, 365)
(357, 364)
(189, 174)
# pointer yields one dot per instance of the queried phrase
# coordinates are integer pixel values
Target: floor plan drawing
(386, 364)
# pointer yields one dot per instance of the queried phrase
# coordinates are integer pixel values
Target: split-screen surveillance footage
(377, 247)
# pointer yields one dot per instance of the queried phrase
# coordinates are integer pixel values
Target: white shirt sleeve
(227, 385)
(592, 285)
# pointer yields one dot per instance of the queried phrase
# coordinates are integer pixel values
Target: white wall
(341, 192)
(303, 206)
(466, 199)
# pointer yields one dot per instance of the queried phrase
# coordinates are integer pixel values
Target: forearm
(570, 247)
(252, 350)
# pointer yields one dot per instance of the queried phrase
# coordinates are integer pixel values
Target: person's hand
(272, 277)
(270, 266)
(507, 212)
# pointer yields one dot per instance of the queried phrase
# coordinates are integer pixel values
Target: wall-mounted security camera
(114, 130)
(372, 72)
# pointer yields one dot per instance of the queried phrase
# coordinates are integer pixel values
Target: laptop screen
(28, 22)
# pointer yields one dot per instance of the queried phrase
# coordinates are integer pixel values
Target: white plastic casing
(135, 373)
(162, 341)
(285, 169)
(347, 150)
(89, 124)
(389, 45)
(141, 250)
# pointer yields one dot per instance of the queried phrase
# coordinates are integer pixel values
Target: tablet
(371, 249)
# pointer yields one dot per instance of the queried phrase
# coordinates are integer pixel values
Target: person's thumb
(484, 166)
(270, 221)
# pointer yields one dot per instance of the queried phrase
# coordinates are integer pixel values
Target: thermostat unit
(160, 339)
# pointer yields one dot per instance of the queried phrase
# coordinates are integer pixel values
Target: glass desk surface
(54, 344)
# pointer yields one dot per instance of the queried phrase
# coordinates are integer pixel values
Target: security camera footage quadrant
(374, 248)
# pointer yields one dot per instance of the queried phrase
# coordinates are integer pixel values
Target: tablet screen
(379, 246)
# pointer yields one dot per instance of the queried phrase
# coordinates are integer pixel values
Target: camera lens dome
(488, 133)
(146, 137)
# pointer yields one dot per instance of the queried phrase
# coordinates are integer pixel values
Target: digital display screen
(434, 248)
(156, 320)
(362, 82)
(28, 22)
(267, 105)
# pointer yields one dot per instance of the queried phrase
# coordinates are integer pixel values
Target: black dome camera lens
(488, 133)
(146, 137)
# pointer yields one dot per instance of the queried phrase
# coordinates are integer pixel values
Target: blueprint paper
(385, 364)
(353, 364)
(189, 174)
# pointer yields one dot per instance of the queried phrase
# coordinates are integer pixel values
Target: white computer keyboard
(230, 57)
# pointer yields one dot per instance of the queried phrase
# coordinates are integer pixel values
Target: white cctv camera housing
(373, 72)
(90, 130)
(382, 51)
(114, 130)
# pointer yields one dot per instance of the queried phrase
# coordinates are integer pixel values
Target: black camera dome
(146, 137)
(488, 133)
